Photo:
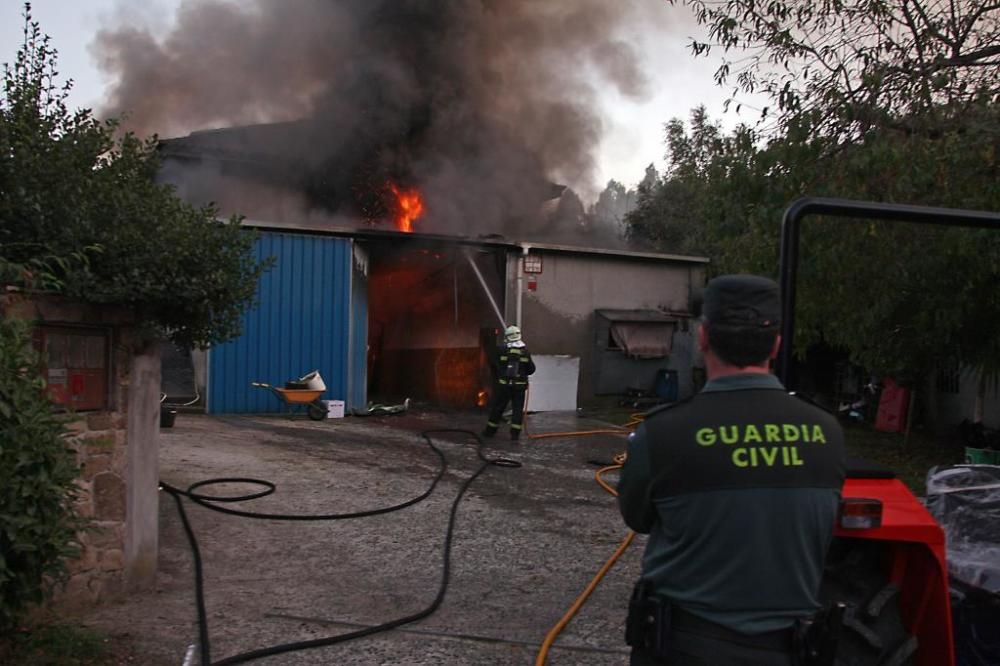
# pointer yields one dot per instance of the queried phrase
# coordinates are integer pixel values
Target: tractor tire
(317, 412)
(873, 633)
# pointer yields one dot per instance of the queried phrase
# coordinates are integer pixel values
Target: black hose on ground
(209, 501)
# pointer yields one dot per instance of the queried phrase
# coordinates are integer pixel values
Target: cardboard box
(334, 409)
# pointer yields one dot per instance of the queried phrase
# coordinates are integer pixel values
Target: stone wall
(100, 440)
(116, 448)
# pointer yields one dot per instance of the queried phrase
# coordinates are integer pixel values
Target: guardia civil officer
(738, 490)
(512, 366)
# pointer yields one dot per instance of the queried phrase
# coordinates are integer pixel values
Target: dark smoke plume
(481, 104)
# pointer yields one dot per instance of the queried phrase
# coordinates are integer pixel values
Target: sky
(633, 135)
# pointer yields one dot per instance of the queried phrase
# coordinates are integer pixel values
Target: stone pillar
(142, 470)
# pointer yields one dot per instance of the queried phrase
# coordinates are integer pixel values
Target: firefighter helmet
(512, 334)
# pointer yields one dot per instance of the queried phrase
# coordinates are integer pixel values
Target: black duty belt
(688, 623)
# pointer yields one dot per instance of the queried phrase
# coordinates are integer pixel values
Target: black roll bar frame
(847, 208)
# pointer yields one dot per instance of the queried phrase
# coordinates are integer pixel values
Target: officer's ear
(775, 347)
(702, 337)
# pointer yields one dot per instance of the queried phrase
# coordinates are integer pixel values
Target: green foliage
(856, 64)
(37, 482)
(900, 298)
(67, 182)
(892, 101)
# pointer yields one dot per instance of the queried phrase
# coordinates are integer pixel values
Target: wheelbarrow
(308, 398)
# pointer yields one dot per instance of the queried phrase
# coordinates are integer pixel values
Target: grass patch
(911, 458)
(57, 645)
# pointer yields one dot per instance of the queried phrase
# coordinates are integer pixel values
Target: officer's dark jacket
(738, 489)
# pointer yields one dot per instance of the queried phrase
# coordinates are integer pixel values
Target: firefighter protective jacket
(514, 364)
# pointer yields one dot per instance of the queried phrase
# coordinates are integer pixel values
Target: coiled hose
(211, 502)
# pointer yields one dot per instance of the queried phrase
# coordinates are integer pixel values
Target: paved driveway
(527, 541)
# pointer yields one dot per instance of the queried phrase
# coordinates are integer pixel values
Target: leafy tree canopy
(896, 117)
(856, 64)
(69, 183)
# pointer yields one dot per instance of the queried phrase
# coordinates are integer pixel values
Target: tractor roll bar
(800, 208)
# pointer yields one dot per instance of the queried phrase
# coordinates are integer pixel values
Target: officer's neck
(716, 368)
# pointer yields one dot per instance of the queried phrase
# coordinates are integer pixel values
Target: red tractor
(888, 561)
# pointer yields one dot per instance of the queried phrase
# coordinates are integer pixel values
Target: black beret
(742, 300)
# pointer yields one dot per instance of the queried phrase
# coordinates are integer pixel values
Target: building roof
(484, 241)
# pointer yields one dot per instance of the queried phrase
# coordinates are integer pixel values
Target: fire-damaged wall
(564, 287)
(427, 318)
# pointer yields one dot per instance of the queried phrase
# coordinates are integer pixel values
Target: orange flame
(482, 398)
(409, 207)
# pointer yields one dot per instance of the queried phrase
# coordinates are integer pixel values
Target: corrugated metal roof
(487, 241)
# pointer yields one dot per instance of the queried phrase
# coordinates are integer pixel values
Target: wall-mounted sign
(533, 263)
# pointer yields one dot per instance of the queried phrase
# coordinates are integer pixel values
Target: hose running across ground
(619, 460)
(209, 502)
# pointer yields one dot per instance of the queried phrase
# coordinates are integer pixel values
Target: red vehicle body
(903, 558)
(914, 560)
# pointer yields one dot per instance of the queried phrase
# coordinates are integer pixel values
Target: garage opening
(430, 322)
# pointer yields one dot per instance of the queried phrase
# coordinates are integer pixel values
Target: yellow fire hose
(619, 460)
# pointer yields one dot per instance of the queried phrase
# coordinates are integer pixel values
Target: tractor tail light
(858, 513)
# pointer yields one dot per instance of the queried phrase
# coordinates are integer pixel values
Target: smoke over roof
(481, 104)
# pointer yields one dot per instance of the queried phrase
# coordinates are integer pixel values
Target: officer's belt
(683, 622)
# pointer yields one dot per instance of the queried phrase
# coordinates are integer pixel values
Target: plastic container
(334, 409)
(167, 417)
(981, 456)
(665, 386)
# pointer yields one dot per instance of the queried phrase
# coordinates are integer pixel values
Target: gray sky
(634, 130)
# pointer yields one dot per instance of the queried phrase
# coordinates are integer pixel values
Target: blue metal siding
(301, 322)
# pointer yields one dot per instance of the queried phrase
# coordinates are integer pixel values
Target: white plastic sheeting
(965, 500)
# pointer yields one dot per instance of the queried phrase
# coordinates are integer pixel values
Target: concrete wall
(954, 407)
(558, 314)
(116, 449)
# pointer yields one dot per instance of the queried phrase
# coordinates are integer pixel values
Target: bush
(70, 181)
(38, 525)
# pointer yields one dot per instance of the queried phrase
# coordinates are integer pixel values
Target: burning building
(398, 158)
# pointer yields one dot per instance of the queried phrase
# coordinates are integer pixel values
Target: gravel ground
(526, 543)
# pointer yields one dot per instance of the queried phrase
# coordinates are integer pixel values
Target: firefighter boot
(489, 431)
(515, 434)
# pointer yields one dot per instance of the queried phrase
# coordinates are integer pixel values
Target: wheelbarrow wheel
(317, 411)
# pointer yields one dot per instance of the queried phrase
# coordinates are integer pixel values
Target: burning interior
(431, 324)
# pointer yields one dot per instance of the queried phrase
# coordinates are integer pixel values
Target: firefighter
(738, 489)
(512, 365)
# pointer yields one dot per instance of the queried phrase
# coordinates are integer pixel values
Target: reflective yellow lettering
(795, 457)
(791, 432)
(772, 432)
(732, 436)
(769, 459)
(784, 456)
(805, 432)
(753, 457)
(818, 435)
(751, 435)
(740, 457)
(705, 436)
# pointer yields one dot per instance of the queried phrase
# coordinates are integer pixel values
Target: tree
(901, 300)
(612, 205)
(857, 64)
(81, 215)
(894, 100)
(67, 182)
